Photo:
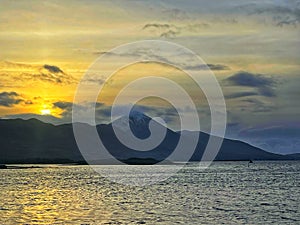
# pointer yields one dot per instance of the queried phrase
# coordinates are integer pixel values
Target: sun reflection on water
(35, 199)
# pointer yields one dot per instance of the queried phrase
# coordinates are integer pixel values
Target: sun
(45, 111)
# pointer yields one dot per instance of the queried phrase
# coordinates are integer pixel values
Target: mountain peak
(138, 124)
(137, 117)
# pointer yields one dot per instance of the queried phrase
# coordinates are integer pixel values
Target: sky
(251, 46)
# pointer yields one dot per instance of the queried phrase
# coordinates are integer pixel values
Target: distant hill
(32, 141)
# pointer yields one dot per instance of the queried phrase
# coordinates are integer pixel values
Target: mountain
(295, 156)
(32, 141)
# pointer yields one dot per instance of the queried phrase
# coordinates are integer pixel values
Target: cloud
(47, 77)
(216, 67)
(241, 94)
(63, 105)
(250, 80)
(66, 108)
(274, 131)
(93, 79)
(159, 26)
(163, 29)
(104, 53)
(182, 60)
(257, 106)
(8, 99)
(283, 13)
(281, 137)
(16, 65)
(53, 69)
(267, 92)
(171, 31)
(264, 84)
(170, 34)
(28, 102)
(102, 111)
(293, 22)
(15, 73)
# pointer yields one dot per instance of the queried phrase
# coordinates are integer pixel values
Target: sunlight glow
(45, 111)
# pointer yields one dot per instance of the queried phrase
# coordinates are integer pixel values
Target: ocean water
(225, 193)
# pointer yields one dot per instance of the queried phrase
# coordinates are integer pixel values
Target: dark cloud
(267, 91)
(53, 74)
(63, 105)
(218, 67)
(102, 110)
(257, 106)
(66, 108)
(163, 30)
(159, 26)
(104, 53)
(264, 85)
(276, 9)
(284, 14)
(8, 99)
(215, 67)
(171, 31)
(53, 69)
(28, 102)
(293, 22)
(241, 94)
(250, 80)
(170, 34)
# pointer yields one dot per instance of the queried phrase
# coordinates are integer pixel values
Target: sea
(263, 192)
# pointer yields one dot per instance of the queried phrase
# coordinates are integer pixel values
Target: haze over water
(227, 192)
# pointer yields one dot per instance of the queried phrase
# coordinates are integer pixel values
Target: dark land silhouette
(32, 141)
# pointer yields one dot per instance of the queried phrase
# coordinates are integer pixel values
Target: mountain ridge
(33, 141)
